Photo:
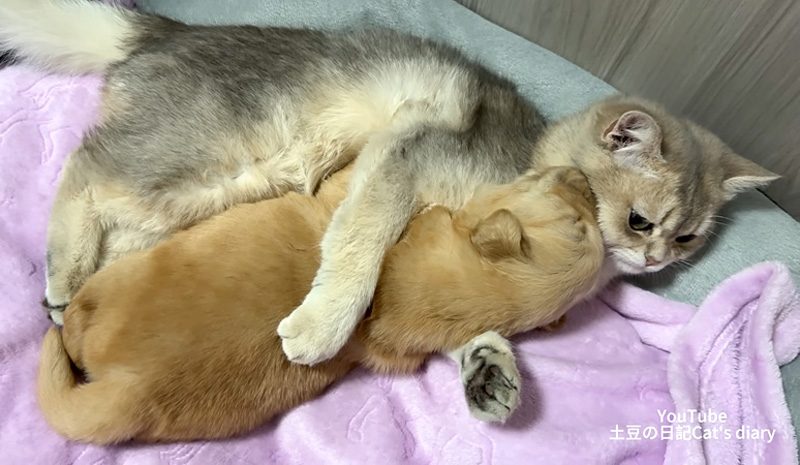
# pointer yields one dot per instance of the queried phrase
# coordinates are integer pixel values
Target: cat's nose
(650, 261)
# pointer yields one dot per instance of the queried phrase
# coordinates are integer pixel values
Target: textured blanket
(633, 378)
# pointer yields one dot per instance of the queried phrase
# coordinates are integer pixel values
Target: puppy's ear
(500, 235)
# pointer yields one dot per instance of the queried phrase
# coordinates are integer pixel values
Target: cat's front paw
(54, 312)
(491, 380)
(316, 330)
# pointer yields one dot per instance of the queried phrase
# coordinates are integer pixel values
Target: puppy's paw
(317, 330)
(491, 379)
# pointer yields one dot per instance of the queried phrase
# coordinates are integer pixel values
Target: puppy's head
(571, 187)
(553, 202)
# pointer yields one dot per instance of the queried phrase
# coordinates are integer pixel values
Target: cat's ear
(500, 235)
(634, 140)
(741, 174)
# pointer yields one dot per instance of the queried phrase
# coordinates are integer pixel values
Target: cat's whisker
(718, 219)
(682, 267)
(715, 224)
(686, 263)
(721, 216)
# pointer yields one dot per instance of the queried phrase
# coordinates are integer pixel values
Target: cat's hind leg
(74, 237)
(490, 376)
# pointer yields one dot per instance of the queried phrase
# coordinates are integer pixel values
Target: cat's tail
(99, 412)
(73, 36)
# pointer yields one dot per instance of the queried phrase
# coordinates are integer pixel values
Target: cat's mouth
(656, 268)
(631, 263)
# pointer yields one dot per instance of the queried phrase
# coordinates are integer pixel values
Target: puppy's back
(191, 327)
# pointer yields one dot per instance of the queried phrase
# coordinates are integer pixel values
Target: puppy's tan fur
(178, 342)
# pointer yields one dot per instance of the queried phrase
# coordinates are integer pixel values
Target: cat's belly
(193, 200)
(294, 148)
(249, 181)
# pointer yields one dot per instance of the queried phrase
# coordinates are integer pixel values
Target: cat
(196, 119)
(178, 342)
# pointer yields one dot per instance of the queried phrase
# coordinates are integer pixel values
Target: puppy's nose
(650, 261)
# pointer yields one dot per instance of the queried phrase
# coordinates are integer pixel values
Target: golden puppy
(179, 342)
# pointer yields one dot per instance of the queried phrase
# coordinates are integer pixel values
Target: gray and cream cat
(195, 119)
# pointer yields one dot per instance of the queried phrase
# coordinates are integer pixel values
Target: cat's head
(659, 180)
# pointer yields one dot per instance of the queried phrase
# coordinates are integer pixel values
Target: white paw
(491, 380)
(53, 297)
(316, 330)
(54, 312)
(57, 317)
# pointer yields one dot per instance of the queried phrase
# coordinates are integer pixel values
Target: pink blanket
(617, 385)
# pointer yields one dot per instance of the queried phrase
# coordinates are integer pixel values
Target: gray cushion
(755, 229)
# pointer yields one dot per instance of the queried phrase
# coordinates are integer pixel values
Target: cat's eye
(639, 223)
(685, 239)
